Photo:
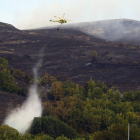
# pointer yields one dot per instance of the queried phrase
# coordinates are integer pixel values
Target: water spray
(21, 118)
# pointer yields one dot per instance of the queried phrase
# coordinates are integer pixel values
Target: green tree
(89, 93)
(102, 86)
(7, 81)
(119, 118)
(90, 85)
(97, 93)
(23, 91)
(128, 96)
(125, 107)
(69, 88)
(62, 138)
(117, 96)
(43, 137)
(110, 93)
(56, 90)
(94, 55)
(92, 118)
(136, 106)
(3, 61)
(80, 139)
(52, 126)
(36, 126)
(132, 117)
(48, 109)
(137, 95)
(7, 133)
(116, 132)
(47, 79)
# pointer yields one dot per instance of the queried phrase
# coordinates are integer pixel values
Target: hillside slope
(7, 27)
(119, 30)
(68, 55)
(8, 101)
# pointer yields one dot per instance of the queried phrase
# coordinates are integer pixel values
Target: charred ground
(7, 104)
(68, 55)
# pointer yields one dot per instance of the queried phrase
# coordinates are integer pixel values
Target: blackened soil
(7, 103)
(68, 55)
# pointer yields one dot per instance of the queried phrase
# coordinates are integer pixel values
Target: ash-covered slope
(119, 30)
(7, 102)
(68, 55)
(7, 27)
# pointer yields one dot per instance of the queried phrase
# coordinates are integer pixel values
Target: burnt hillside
(118, 30)
(68, 55)
(8, 102)
(7, 27)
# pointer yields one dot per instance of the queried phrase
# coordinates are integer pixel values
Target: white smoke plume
(76, 11)
(21, 118)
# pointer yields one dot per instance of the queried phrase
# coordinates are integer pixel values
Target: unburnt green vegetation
(71, 111)
(8, 76)
(95, 110)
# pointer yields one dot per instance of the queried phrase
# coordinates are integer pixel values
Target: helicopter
(61, 20)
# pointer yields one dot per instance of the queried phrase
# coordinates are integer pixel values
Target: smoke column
(76, 11)
(21, 118)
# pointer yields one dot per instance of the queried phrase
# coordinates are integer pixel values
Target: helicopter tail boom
(54, 20)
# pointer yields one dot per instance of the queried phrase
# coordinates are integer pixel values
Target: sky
(29, 14)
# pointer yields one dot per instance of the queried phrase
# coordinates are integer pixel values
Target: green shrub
(116, 132)
(47, 79)
(52, 126)
(23, 91)
(8, 133)
(97, 93)
(3, 61)
(43, 137)
(62, 138)
(7, 81)
(128, 96)
(94, 55)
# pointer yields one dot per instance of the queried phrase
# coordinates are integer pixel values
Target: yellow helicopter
(61, 20)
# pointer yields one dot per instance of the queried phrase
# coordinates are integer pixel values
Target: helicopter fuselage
(60, 21)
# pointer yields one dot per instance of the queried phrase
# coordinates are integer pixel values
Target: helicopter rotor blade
(57, 17)
(63, 15)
